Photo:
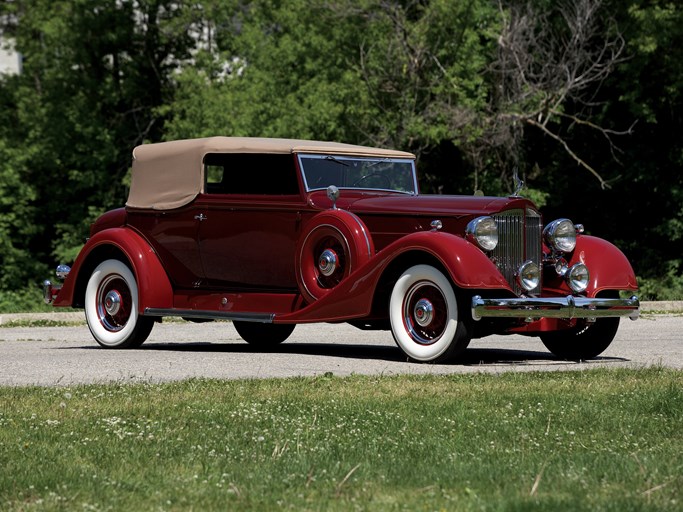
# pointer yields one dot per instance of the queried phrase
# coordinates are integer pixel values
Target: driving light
(529, 276)
(577, 277)
(483, 232)
(560, 235)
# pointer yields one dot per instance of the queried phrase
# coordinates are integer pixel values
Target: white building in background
(10, 61)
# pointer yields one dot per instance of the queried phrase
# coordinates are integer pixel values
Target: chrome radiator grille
(519, 240)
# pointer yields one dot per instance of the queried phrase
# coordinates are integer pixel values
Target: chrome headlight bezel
(578, 277)
(483, 232)
(560, 235)
(529, 276)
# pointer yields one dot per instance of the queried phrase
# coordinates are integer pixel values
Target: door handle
(200, 217)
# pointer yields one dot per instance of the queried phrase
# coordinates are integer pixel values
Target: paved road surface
(69, 355)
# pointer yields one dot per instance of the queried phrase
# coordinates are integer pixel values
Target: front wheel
(424, 315)
(111, 307)
(263, 335)
(584, 341)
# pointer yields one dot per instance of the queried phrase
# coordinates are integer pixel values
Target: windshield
(391, 174)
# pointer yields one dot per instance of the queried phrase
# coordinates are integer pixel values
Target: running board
(264, 318)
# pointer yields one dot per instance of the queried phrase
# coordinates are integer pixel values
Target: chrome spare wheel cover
(327, 263)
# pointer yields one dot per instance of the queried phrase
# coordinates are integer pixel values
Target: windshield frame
(344, 160)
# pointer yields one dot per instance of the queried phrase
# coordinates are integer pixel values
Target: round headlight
(529, 276)
(560, 235)
(578, 277)
(483, 231)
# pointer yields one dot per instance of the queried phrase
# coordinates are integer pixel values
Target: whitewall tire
(111, 307)
(424, 315)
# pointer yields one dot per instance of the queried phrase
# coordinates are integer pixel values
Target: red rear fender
(154, 287)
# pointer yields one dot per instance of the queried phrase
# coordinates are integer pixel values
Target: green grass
(41, 322)
(594, 440)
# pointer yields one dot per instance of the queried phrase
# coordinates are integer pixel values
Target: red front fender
(154, 287)
(466, 265)
(609, 269)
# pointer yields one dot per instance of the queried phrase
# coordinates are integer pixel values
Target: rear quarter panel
(154, 288)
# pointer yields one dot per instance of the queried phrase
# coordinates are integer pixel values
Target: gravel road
(64, 356)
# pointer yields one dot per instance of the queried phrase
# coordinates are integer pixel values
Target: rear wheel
(585, 341)
(111, 307)
(263, 335)
(425, 319)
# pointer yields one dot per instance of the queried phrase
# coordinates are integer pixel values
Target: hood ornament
(519, 184)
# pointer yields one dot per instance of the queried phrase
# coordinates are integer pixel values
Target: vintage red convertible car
(270, 233)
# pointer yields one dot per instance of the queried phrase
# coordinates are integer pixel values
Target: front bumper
(554, 307)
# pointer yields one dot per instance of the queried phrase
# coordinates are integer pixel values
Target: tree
(550, 63)
(271, 69)
(94, 72)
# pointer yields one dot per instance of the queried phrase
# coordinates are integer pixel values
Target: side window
(254, 174)
(214, 178)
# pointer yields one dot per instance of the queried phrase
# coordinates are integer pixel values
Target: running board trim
(264, 318)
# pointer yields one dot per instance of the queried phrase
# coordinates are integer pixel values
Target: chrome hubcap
(112, 302)
(327, 263)
(423, 312)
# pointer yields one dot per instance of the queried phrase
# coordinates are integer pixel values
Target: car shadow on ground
(471, 357)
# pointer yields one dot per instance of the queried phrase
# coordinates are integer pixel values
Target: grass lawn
(592, 440)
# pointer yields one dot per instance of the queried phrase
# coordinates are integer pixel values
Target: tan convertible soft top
(169, 175)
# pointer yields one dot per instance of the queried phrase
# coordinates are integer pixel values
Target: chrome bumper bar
(554, 307)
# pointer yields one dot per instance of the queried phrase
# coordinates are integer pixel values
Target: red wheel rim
(425, 313)
(323, 239)
(114, 303)
(331, 243)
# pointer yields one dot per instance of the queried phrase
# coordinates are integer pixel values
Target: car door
(173, 235)
(251, 219)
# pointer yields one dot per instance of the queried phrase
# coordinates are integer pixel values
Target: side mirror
(333, 195)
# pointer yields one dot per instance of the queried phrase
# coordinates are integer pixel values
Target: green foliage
(642, 211)
(101, 76)
(93, 73)
(23, 300)
(666, 286)
(284, 73)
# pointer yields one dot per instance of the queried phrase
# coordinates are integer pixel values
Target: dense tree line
(582, 98)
